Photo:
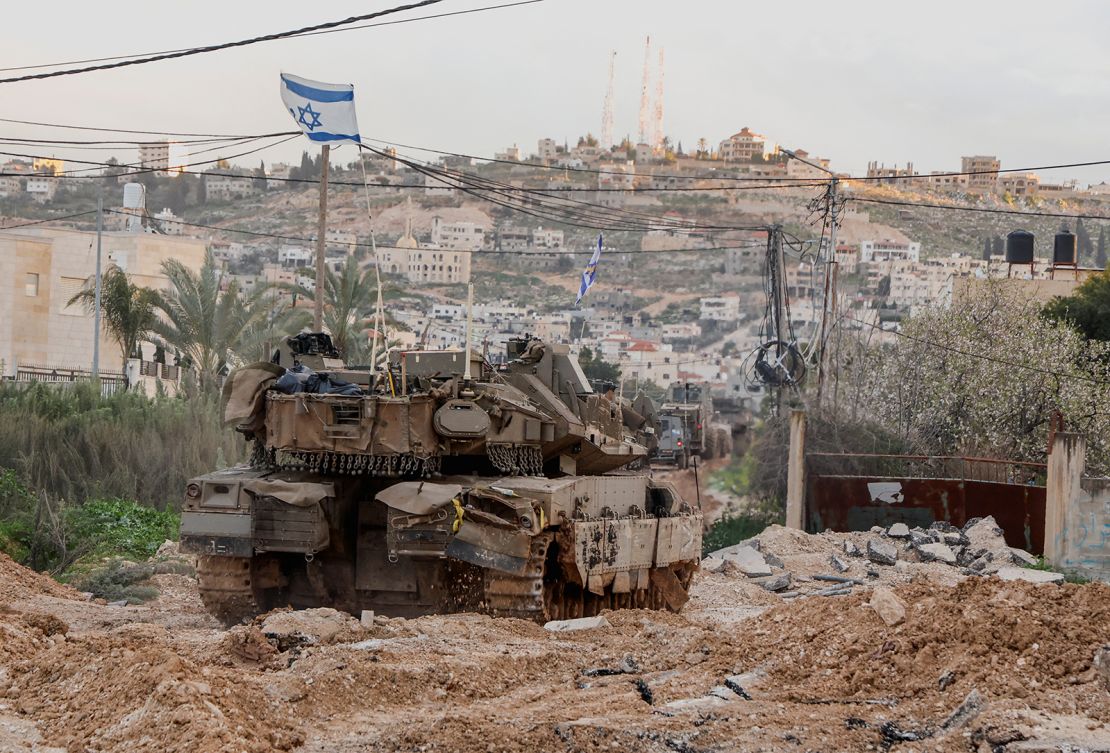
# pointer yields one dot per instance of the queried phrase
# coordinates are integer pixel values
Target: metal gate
(853, 492)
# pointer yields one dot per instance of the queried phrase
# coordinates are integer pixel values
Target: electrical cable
(985, 210)
(222, 46)
(51, 219)
(305, 34)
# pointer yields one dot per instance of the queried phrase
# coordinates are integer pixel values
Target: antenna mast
(644, 93)
(607, 110)
(657, 126)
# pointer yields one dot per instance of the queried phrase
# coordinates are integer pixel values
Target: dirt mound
(129, 690)
(1006, 639)
(18, 582)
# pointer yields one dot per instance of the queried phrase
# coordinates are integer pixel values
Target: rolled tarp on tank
(296, 493)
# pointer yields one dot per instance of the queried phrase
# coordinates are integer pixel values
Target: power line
(119, 143)
(982, 356)
(51, 219)
(985, 210)
(224, 46)
(305, 34)
(137, 132)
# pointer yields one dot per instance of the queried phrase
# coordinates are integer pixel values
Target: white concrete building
(224, 187)
(290, 257)
(156, 155)
(883, 251)
(725, 308)
(41, 189)
(457, 236)
(547, 238)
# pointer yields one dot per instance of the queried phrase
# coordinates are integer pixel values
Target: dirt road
(811, 674)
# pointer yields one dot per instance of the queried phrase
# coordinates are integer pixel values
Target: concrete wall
(1077, 513)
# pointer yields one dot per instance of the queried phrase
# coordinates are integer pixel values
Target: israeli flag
(589, 274)
(325, 112)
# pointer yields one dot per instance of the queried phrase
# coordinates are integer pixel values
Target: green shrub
(119, 527)
(118, 580)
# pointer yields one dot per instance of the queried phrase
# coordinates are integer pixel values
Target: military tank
(441, 483)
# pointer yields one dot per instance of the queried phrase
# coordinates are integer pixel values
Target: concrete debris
(888, 606)
(779, 582)
(293, 628)
(725, 694)
(898, 531)
(881, 553)
(712, 564)
(749, 561)
(838, 564)
(736, 683)
(367, 618)
(851, 549)
(1030, 576)
(937, 551)
(946, 679)
(1101, 664)
(1022, 557)
(971, 707)
(581, 623)
(919, 537)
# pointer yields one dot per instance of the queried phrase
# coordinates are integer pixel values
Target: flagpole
(321, 245)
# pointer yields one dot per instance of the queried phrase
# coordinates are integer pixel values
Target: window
(67, 288)
(31, 284)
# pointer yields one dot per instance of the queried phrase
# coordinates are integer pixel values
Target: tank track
(226, 589)
(520, 596)
(541, 595)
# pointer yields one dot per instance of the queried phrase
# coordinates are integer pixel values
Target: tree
(998, 246)
(596, 369)
(1083, 240)
(987, 249)
(1087, 309)
(982, 378)
(127, 309)
(207, 325)
(349, 297)
(1100, 256)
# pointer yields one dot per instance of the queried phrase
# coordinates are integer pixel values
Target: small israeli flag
(589, 274)
(325, 112)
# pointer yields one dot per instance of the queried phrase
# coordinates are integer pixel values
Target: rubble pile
(795, 564)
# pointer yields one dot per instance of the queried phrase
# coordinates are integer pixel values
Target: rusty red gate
(853, 492)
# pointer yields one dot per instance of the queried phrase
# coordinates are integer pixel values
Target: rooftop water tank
(1019, 247)
(1063, 248)
(133, 195)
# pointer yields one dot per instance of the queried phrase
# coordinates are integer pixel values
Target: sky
(853, 81)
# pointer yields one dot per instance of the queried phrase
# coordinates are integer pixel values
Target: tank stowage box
(417, 491)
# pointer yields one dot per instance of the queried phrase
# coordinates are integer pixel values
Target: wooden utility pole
(321, 241)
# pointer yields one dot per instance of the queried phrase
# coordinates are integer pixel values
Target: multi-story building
(341, 240)
(43, 269)
(893, 176)
(155, 155)
(424, 264)
(1019, 184)
(942, 181)
(457, 236)
(725, 308)
(745, 146)
(290, 257)
(48, 165)
(546, 150)
(847, 257)
(511, 154)
(10, 185)
(547, 238)
(887, 250)
(224, 187)
(41, 189)
(513, 238)
(985, 172)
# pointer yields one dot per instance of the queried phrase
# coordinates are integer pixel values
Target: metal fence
(926, 467)
(111, 382)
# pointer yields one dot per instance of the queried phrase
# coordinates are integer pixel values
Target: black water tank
(1019, 247)
(1063, 248)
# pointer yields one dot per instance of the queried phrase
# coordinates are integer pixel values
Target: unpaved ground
(823, 674)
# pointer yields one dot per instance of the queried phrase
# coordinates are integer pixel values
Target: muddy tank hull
(529, 547)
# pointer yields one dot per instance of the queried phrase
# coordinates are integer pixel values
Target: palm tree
(207, 325)
(127, 309)
(348, 297)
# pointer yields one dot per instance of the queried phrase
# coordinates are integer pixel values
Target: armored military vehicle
(438, 484)
(687, 426)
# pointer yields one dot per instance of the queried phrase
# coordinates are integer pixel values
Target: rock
(851, 549)
(984, 533)
(712, 564)
(779, 582)
(367, 618)
(946, 679)
(982, 563)
(898, 531)
(773, 561)
(954, 538)
(881, 553)
(1030, 576)
(750, 562)
(878, 529)
(838, 564)
(307, 626)
(943, 526)
(920, 538)
(581, 623)
(120, 603)
(939, 552)
(888, 606)
(872, 572)
(967, 555)
(725, 694)
(1022, 557)
(167, 548)
(736, 684)
(1101, 663)
(971, 707)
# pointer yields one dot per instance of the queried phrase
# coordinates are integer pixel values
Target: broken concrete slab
(838, 564)
(1101, 664)
(1022, 557)
(580, 623)
(985, 533)
(939, 552)
(970, 708)
(366, 619)
(881, 553)
(1030, 576)
(779, 582)
(712, 564)
(898, 531)
(919, 538)
(851, 549)
(888, 606)
(749, 561)
(725, 694)
(300, 627)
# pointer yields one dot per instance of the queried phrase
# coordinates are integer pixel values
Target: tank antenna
(469, 322)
